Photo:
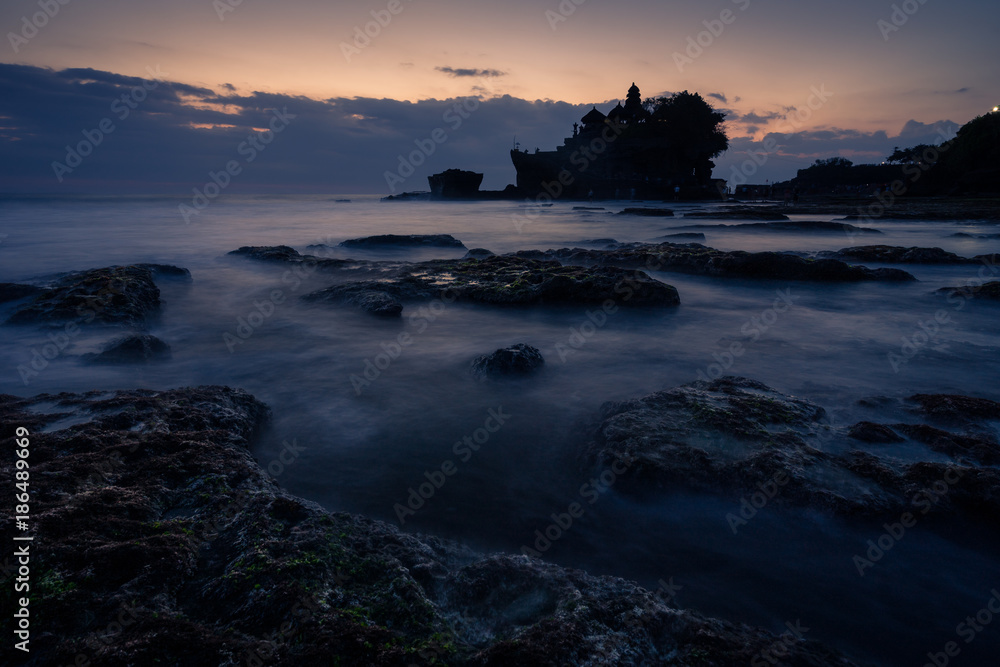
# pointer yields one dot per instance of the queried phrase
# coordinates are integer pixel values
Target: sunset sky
(534, 66)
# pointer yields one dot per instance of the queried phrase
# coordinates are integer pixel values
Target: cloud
(459, 72)
(719, 96)
(177, 134)
(754, 118)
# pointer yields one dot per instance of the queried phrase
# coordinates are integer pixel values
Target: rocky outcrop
(701, 260)
(405, 241)
(817, 226)
(736, 436)
(738, 213)
(132, 349)
(989, 291)
(369, 296)
(125, 295)
(519, 359)
(648, 212)
(455, 184)
(510, 280)
(888, 254)
(166, 543)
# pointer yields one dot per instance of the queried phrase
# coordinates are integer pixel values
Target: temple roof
(593, 116)
(617, 112)
(634, 89)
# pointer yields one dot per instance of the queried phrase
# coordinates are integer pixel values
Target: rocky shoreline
(162, 541)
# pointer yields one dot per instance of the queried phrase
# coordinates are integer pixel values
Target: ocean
(361, 422)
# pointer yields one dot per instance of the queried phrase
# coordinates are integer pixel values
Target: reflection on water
(368, 444)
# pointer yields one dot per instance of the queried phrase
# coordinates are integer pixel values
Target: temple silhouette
(629, 153)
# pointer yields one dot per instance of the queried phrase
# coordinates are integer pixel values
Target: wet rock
(874, 433)
(989, 291)
(888, 254)
(15, 292)
(369, 296)
(283, 254)
(956, 408)
(604, 242)
(167, 271)
(817, 226)
(979, 448)
(513, 280)
(123, 295)
(405, 241)
(965, 235)
(158, 514)
(701, 260)
(737, 213)
(589, 208)
(478, 253)
(737, 436)
(649, 212)
(132, 349)
(519, 359)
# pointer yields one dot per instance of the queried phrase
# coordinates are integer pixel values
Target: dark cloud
(757, 119)
(178, 133)
(457, 72)
(719, 96)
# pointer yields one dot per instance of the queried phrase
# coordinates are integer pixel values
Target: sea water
(365, 447)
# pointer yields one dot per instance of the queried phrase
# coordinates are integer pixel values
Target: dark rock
(956, 408)
(888, 254)
(989, 291)
(874, 433)
(519, 359)
(478, 253)
(512, 280)
(737, 213)
(733, 435)
(979, 448)
(649, 212)
(368, 296)
(701, 260)
(405, 241)
(167, 271)
(455, 184)
(156, 507)
(964, 235)
(278, 253)
(123, 295)
(690, 236)
(796, 226)
(132, 349)
(14, 291)
(599, 242)
(589, 208)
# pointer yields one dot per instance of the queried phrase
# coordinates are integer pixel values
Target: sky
(183, 88)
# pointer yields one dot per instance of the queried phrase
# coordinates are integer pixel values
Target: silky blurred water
(362, 451)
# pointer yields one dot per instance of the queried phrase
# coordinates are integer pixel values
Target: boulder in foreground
(519, 359)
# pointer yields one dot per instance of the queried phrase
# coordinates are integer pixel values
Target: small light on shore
(995, 109)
